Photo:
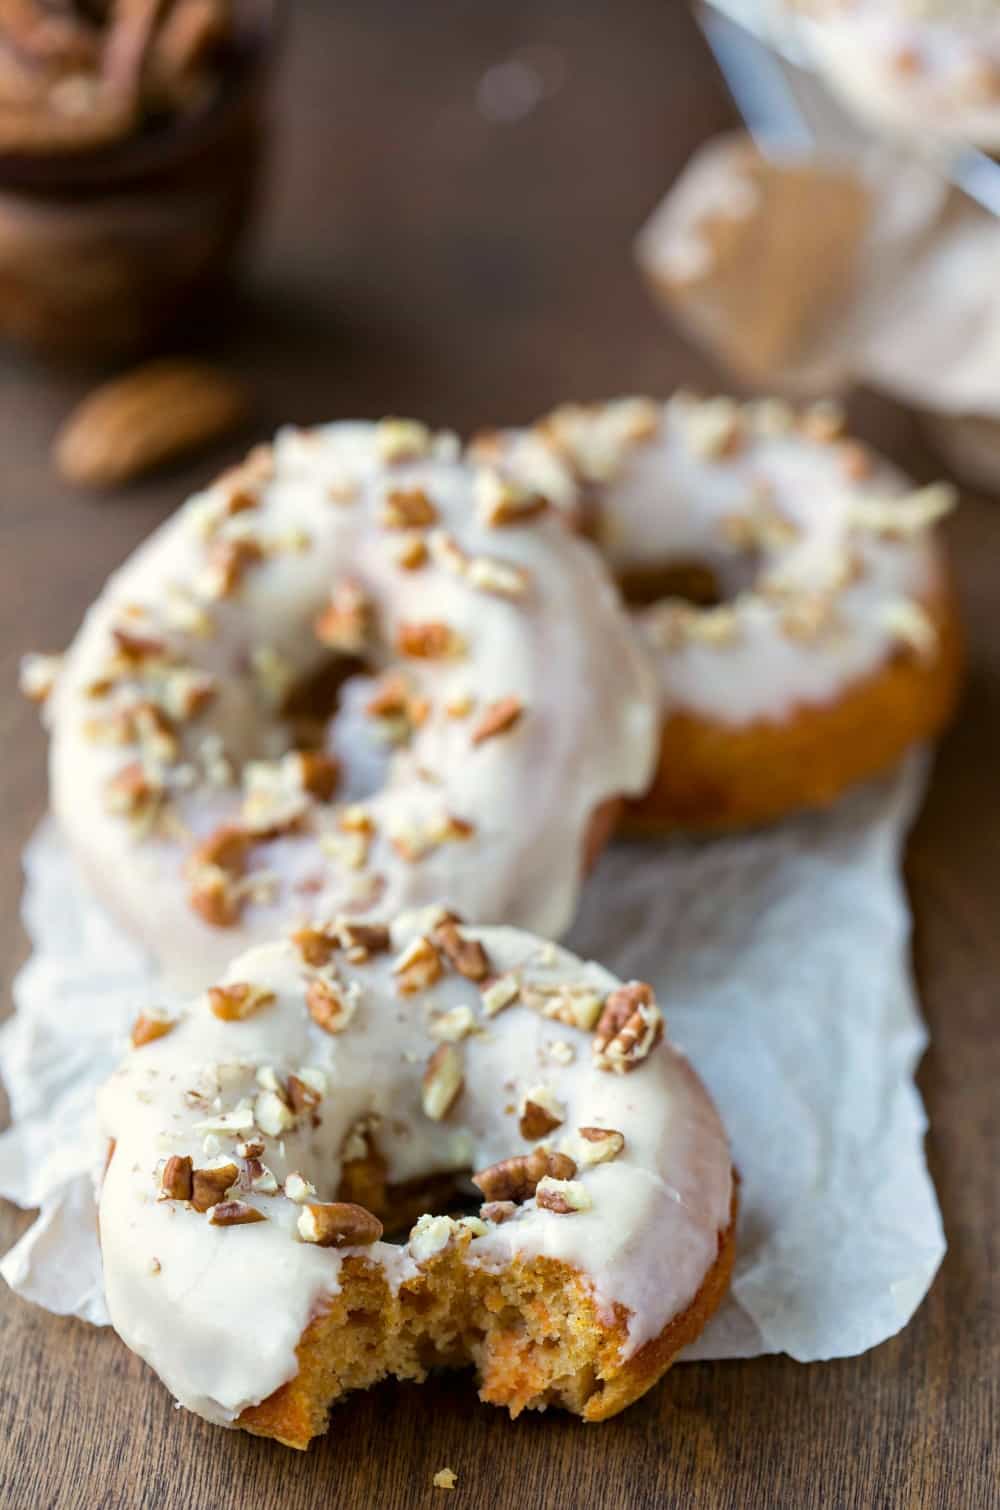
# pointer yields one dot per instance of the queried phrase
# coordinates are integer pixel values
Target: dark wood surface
(416, 257)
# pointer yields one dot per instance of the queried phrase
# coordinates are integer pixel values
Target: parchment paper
(782, 963)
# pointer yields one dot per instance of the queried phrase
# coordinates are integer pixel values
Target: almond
(149, 416)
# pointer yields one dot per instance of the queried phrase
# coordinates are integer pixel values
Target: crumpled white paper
(782, 962)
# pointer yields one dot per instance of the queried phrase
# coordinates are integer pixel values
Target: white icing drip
(563, 649)
(218, 1316)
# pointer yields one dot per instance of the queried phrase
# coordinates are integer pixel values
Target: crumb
(445, 1478)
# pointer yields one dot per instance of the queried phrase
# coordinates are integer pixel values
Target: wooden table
(420, 257)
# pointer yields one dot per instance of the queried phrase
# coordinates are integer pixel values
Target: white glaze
(926, 68)
(563, 648)
(664, 483)
(218, 1312)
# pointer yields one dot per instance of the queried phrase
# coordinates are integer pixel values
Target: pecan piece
(408, 508)
(215, 864)
(209, 1186)
(176, 1179)
(540, 1113)
(418, 967)
(228, 563)
(234, 1214)
(562, 1196)
(338, 1224)
(497, 1212)
(315, 945)
(302, 1097)
(597, 1145)
(431, 641)
(345, 623)
(467, 955)
(497, 719)
(442, 1082)
(147, 1029)
(330, 1006)
(236, 1002)
(516, 1179)
(629, 1027)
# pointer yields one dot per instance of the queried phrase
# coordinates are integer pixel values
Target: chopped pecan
(209, 1186)
(228, 563)
(319, 774)
(497, 1211)
(408, 508)
(597, 1145)
(38, 675)
(338, 1224)
(430, 641)
(629, 1027)
(402, 439)
(500, 993)
(131, 793)
(346, 621)
(497, 719)
(516, 1179)
(176, 1179)
(372, 938)
(578, 1006)
(136, 648)
(454, 1025)
(234, 1214)
(502, 501)
(442, 1082)
(330, 1006)
(418, 967)
(302, 1096)
(316, 945)
(146, 1029)
(540, 1113)
(215, 864)
(467, 955)
(234, 1003)
(562, 1196)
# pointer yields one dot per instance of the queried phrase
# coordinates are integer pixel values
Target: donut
(194, 763)
(925, 68)
(354, 1079)
(786, 584)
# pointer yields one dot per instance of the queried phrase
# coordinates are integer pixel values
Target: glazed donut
(925, 68)
(787, 587)
(517, 705)
(327, 1086)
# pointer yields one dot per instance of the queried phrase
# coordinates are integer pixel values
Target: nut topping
(497, 719)
(629, 1027)
(454, 1025)
(209, 1186)
(38, 675)
(408, 508)
(176, 1179)
(500, 993)
(442, 1082)
(345, 623)
(497, 1212)
(430, 641)
(467, 955)
(540, 1113)
(239, 1001)
(302, 1096)
(215, 865)
(330, 1005)
(418, 967)
(596, 1145)
(516, 1179)
(338, 1224)
(234, 1214)
(562, 1196)
(147, 1028)
(228, 563)
(315, 945)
